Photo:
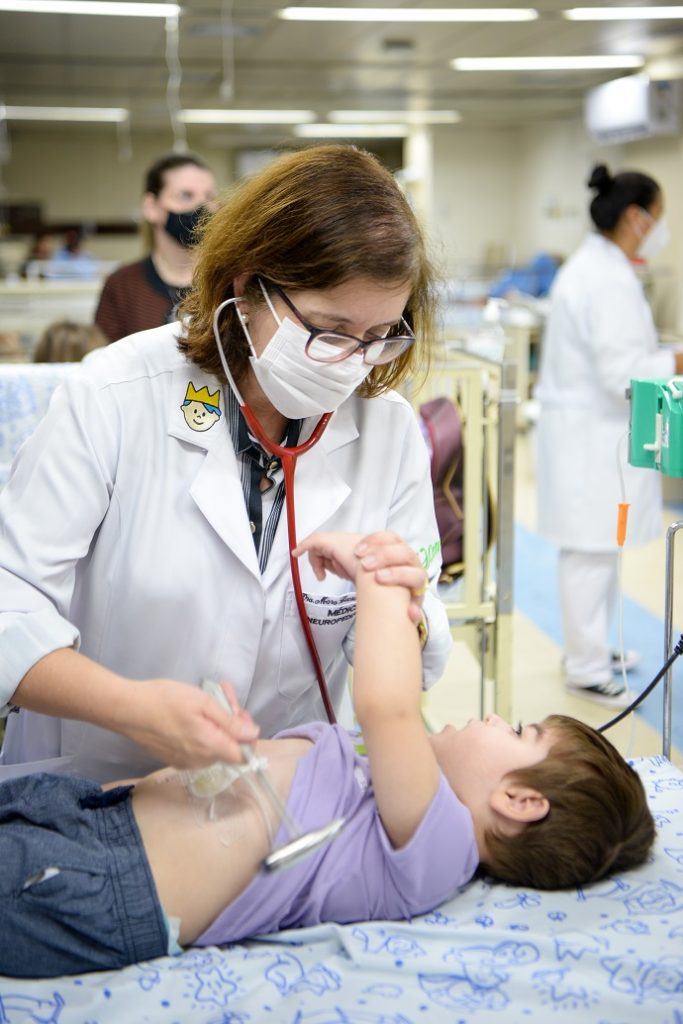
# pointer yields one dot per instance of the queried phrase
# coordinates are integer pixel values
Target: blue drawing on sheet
(25, 1009)
(437, 917)
(288, 974)
(676, 853)
(520, 899)
(660, 897)
(479, 976)
(382, 940)
(667, 785)
(628, 927)
(385, 991)
(457, 993)
(215, 985)
(211, 980)
(647, 979)
(555, 988)
(574, 944)
(655, 898)
(149, 977)
(338, 1015)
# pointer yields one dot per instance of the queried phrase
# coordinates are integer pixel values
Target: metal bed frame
(480, 603)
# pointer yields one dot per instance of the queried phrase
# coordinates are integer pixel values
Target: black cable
(677, 650)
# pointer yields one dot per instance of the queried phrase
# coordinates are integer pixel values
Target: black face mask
(181, 226)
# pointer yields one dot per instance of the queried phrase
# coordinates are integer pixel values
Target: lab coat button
(252, 527)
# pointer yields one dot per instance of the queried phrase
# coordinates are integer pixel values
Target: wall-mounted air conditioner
(632, 108)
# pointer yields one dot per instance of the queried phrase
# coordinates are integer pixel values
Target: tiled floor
(537, 681)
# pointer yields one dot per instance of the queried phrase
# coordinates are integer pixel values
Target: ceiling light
(124, 9)
(351, 131)
(622, 13)
(396, 14)
(387, 116)
(223, 116)
(546, 63)
(119, 114)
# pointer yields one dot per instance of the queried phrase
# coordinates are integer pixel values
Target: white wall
(475, 183)
(508, 192)
(663, 159)
(77, 175)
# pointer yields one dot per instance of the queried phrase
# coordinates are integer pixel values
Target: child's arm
(387, 685)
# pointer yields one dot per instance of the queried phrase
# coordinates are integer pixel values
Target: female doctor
(143, 540)
(600, 334)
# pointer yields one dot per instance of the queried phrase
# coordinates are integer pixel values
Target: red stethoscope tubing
(288, 457)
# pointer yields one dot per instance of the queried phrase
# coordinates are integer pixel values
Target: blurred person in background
(145, 294)
(67, 342)
(599, 336)
(40, 252)
(71, 260)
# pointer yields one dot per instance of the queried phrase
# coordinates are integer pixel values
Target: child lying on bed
(91, 877)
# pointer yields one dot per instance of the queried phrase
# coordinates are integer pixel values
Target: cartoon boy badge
(201, 409)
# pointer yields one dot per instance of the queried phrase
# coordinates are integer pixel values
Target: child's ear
(519, 803)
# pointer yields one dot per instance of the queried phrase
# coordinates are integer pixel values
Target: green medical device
(656, 428)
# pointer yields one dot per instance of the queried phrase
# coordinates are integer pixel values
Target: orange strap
(622, 520)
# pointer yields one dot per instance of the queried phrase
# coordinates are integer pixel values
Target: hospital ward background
(495, 163)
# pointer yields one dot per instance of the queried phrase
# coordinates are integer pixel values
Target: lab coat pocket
(331, 617)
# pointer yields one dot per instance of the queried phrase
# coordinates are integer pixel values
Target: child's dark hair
(598, 823)
(614, 194)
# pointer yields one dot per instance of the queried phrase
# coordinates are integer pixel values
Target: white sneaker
(610, 693)
(631, 659)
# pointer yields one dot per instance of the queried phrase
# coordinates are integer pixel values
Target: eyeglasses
(325, 346)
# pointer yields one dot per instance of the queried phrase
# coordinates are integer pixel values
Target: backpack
(441, 423)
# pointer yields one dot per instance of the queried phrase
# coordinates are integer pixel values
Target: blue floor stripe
(536, 595)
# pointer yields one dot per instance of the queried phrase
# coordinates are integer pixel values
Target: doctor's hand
(185, 727)
(395, 563)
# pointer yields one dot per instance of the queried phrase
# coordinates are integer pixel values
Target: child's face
(477, 758)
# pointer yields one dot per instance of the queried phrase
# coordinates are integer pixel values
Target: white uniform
(600, 334)
(124, 530)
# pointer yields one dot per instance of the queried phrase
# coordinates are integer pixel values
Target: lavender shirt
(359, 876)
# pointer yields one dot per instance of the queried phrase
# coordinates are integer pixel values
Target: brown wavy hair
(309, 220)
(598, 823)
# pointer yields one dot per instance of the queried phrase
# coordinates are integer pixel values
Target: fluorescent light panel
(546, 63)
(402, 14)
(623, 13)
(412, 117)
(124, 9)
(12, 113)
(351, 131)
(246, 116)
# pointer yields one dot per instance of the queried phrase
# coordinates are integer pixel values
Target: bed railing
(480, 603)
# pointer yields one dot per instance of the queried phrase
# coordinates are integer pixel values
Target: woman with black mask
(179, 188)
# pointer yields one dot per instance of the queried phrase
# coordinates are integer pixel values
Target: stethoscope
(288, 457)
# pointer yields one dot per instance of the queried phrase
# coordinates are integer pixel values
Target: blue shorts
(76, 890)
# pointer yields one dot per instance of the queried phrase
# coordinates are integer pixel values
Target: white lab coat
(600, 334)
(125, 531)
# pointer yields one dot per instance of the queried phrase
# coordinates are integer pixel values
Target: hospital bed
(479, 603)
(608, 954)
(25, 392)
(28, 307)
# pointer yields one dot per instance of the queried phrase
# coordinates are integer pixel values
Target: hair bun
(601, 180)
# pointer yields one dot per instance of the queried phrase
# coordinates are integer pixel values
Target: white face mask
(657, 238)
(296, 385)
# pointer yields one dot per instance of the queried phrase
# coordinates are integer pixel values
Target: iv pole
(668, 636)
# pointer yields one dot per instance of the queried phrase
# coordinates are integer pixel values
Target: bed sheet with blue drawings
(609, 954)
